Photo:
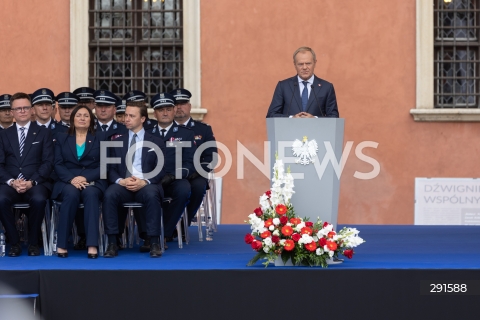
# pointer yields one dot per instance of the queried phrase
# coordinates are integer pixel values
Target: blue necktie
(305, 95)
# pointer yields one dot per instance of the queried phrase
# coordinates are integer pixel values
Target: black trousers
(198, 188)
(71, 197)
(36, 197)
(116, 195)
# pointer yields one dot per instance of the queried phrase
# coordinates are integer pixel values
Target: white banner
(447, 201)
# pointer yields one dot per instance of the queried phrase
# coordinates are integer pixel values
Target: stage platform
(210, 280)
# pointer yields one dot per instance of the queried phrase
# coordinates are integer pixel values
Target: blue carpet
(387, 247)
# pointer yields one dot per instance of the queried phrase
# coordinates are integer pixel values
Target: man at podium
(304, 95)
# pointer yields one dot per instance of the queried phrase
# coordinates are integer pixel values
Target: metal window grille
(456, 53)
(135, 45)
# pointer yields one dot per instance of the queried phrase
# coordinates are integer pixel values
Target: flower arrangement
(278, 231)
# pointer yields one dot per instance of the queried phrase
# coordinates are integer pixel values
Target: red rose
(322, 242)
(287, 230)
(283, 220)
(348, 253)
(289, 245)
(268, 194)
(249, 238)
(295, 220)
(256, 245)
(268, 222)
(306, 230)
(296, 237)
(281, 209)
(312, 246)
(325, 224)
(258, 212)
(275, 239)
(331, 234)
(265, 234)
(309, 223)
(331, 245)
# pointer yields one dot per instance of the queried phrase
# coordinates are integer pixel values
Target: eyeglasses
(20, 109)
(5, 110)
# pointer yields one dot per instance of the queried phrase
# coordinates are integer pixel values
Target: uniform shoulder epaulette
(204, 123)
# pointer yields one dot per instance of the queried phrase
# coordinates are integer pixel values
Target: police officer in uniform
(121, 105)
(66, 102)
(177, 189)
(6, 115)
(85, 96)
(43, 101)
(203, 133)
(107, 127)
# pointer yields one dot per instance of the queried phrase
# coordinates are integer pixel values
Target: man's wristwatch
(34, 183)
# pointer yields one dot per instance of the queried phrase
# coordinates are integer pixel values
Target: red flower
(283, 220)
(331, 234)
(348, 253)
(256, 245)
(287, 230)
(258, 212)
(295, 220)
(275, 239)
(268, 222)
(296, 237)
(331, 245)
(289, 245)
(322, 242)
(281, 209)
(265, 234)
(309, 223)
(312, 246)
(306, 230)
(325, 224)
(268, 193)
(249, 238)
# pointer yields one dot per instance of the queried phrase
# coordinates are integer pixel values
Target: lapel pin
(34, 133)
(89, 141)
(319, 85)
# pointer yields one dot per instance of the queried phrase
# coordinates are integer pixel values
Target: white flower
(319, 251)
(276, 233)
(276, 221)
(288, 224)
(330, 253)
(299, 226)
(266, 249)
(305, 239)
(325, 248)
(268, 242)
(282, 242)
(271, 228)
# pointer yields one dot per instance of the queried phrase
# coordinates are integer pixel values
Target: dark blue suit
(67, 167)
(151, 195)
(35, 164)
(115, 130)
(203, 133)
(321, 102)
(179, 189)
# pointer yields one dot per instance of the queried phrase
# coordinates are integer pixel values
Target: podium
(317, 194)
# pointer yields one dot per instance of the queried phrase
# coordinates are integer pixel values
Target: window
(456, 54)
(136, 44)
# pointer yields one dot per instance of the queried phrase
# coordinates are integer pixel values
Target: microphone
(293, 94)
(320, 107)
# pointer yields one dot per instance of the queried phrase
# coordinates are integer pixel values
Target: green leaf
(258, 256)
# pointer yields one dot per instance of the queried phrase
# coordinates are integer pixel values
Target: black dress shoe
(119, 243)
(62, 254)
(112, 251)
(33, 250)
(155, 251)
(81, 244)
(15, 250)
(92, 255)
(146, 246)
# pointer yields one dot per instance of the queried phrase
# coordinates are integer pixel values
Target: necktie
(305, 95)
(163, 132)
(22, 144)
(43, 126)
(134, 140)
(104, 127)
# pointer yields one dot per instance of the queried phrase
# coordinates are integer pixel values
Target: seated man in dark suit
(304, 95)
(203, 134)
(26, 161)
(138, 183)
(175, 182)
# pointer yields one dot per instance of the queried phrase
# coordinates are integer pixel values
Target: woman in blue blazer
(77, 165)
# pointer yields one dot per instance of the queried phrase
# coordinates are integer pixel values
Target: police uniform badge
(175, 129)
(67, 95)
(162, 96)
(149, 122)
(52, 126)
(5, 96)
(179, 92)
(44, 91)
(114, 126)
(102, 93)
(154, 129)
(84, 90)
(192, 124)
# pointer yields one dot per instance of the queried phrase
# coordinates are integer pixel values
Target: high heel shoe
(62, 254)
(92, 255)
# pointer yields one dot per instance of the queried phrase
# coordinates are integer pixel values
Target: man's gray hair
(304, 49)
